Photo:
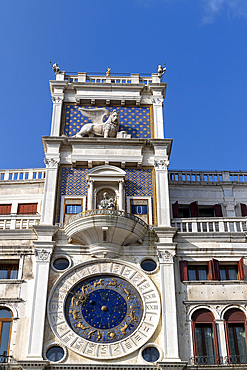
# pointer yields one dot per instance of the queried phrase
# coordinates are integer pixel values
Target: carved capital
(51, 163)
(161, 164)
(157, 101)
(166, 257)
(42, 255)
(57, 99)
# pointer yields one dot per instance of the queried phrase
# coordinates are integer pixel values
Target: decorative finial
(161, 70)
(55, 67)
(108, 71)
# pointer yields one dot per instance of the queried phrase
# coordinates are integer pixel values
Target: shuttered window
(27, 209)
(214, 271)
(5, 209)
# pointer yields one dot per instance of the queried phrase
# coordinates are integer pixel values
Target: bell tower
(105, 218)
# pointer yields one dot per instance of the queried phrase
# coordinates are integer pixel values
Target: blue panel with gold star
(104, 309)
(136, 121)
(73, 182)
(139, 182)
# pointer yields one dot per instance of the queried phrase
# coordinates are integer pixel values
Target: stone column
(56, 114)
(43, 249)
(221, 338)
(169, 311)
(158, 118)
(48, 206)
(90, 195)
(121, 195)
(163, 212)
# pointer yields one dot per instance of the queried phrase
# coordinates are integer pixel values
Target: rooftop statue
(98, 127)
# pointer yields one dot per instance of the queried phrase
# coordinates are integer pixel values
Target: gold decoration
(124, 328)
(108, 71)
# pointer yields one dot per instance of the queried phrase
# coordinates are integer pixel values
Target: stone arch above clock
(106, 177)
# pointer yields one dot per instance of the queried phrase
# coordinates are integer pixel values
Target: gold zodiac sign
(124, 328)
(98, 336)
(111, 334)
(81, 298)
(74, 313)
(112, 283)
(128, 294)
(100, 282)
(91, 333)
(81, 326)
(132, 315)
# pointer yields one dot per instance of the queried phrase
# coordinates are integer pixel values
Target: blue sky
(203, 43)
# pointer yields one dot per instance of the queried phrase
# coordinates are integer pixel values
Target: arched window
(5, 327)
(236, 334)
(204, 338)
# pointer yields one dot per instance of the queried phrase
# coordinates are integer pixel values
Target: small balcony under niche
(105, 231)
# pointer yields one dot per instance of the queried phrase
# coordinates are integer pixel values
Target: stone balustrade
(113, 79)
(14, 221)
(22, 174)
(213, 224)
(207, 177)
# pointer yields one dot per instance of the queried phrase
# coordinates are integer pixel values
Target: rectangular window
(27, 209)
(195, 210)
(9, 271)
(72, 209)
(228, 273)
(139, 207)
(197, 273)
(5, 209)
(72, 206)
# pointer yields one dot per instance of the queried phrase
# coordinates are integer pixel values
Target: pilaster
(161, 171)
(221, 338)
(166, 251)
(158, 117)
(43, 248)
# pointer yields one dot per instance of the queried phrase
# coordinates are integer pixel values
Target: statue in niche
(98, 127)
(106, 202)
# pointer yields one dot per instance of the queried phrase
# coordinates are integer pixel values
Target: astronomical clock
(104, 309)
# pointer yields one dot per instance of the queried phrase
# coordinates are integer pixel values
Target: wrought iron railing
(206, 360)
(218, 360)
(106, 212)
(236, 359)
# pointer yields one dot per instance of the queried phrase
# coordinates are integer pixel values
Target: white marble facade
(75, 240)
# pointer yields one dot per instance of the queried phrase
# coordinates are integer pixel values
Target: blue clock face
(103, 309)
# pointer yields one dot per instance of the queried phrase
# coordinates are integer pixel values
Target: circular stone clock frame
(125, 298)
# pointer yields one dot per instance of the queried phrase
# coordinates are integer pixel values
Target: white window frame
(65, 197)
(149, 199)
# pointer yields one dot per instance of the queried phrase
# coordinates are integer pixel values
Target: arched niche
(110, 179)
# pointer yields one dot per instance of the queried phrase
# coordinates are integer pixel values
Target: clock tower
(104, 271)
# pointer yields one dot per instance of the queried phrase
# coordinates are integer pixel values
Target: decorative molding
(161, 164)
(167, 257)
(51, 163)
(57, 99)
(42, 255)
(157, 101)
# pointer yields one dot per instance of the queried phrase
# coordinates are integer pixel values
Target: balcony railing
(213, 177)
(22, 174)
(13, 221)
(218, 360)
(206, 360)
(212, 224)
(107, 212)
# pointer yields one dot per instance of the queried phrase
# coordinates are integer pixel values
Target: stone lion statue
(98, 127)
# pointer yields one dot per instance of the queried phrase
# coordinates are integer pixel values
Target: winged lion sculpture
(98, 127)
